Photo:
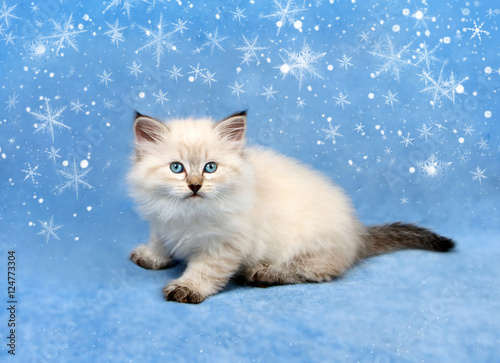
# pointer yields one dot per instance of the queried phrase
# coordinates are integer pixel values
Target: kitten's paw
(144, 257)
(182, 294)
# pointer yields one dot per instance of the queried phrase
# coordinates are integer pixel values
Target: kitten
(229, 210)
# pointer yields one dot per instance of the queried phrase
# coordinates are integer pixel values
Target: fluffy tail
(400, 236)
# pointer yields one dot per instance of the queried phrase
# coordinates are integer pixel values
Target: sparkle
(300, 102)
(48, 229)
(332, 132)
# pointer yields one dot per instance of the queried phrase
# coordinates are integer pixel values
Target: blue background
(410, 91)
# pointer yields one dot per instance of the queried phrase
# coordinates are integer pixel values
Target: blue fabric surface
(396, 101)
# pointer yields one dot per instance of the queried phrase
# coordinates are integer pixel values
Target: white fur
(257, 208)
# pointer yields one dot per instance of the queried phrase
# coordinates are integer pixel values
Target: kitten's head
(190, 162)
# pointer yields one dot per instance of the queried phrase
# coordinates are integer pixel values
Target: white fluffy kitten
(229, 210)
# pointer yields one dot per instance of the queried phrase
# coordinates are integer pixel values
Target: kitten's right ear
(147, 129)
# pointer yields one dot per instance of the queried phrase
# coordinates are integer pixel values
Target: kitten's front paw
(182, 294)
(144, 257)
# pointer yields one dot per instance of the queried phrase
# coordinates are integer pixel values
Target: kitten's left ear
(233, 128)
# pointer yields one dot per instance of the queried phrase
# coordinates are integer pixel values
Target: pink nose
(194, 188)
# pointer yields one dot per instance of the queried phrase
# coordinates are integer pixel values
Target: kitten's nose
(194, 187)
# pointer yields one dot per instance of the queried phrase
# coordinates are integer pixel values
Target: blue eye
(210, 167)
(176, 167)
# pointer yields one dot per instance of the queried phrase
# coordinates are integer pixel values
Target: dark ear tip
(240, 113)
(137, 114)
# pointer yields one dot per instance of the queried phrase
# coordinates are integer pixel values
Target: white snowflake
(407, 140)
(74, 178)
(359, 128)
(180, 26)
(108, 104)
(364, 36)
(115, 32)
(48, 229)
(6, 13)
(332, 132)
(441, 88)
(301, 64)
(31, 173)
(269, 92)
(342, 100)
(392, 59)
(425, 132)
(39, 50)
(49, 119)
(135, 68)
(126, 5)
(483, 144)
(237, 88)
(64, 33)
(161, 97)
(53, 154)
(421, 17)
(76, 106)
(426, 56)
(175, 73)
(390, 98)
(404, 200)
(160, 40)
(300, 102)
(345, 62)
(208, 78)
(9, 39)
(196, 72)
(105, 77)
(477, 30)
(214, 40)
(238, 14)
(249, 50)
(286, 12)
(11, 103)
(433, 170)
(478, 174)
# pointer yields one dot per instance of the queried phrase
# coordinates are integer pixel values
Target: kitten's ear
(147, 129)
(233, 128)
